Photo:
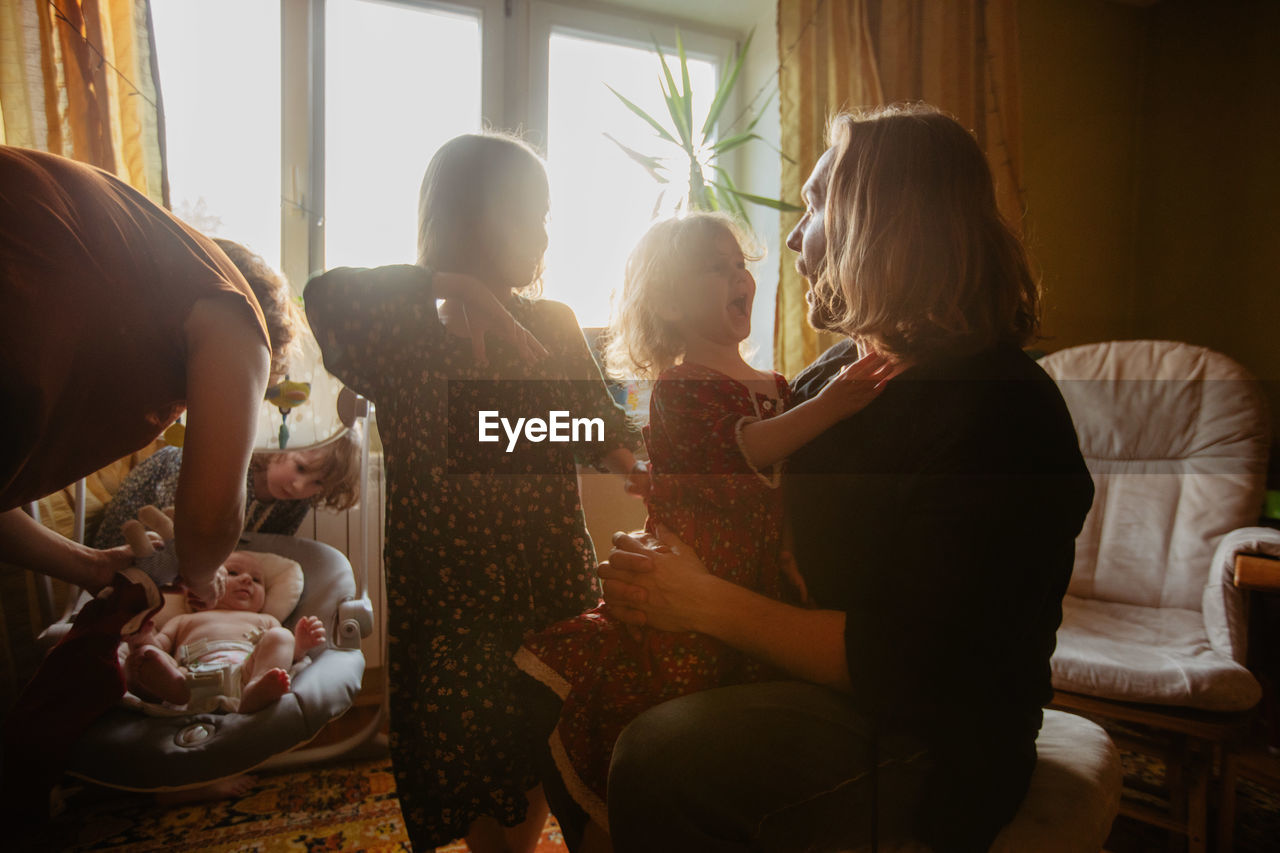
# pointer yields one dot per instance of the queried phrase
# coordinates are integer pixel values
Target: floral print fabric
(482, 544)
(705, 491)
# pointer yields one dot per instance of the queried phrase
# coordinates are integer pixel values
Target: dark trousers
(772, 767)
(788, 766)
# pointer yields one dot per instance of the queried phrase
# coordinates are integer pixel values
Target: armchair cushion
(1176, 439)
(1157, 655)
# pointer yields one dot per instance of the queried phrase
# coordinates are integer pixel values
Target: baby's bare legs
(266, 671)
(152, 671)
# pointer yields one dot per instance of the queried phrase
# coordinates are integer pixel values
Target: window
(222, 128)
(328, 174)
(400, 81)
(602, 201)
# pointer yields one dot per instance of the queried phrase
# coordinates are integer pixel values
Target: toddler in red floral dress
(718, 432)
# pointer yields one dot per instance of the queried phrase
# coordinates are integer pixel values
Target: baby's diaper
(215, 674)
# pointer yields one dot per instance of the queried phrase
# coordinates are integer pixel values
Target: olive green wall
(1081, 79)
(1151, 141)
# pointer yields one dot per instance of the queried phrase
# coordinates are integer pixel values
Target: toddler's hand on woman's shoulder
(857, 384)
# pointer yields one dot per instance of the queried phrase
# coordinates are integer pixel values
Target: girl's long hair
(468, 176)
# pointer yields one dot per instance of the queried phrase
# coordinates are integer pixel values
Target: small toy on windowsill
(286, 396)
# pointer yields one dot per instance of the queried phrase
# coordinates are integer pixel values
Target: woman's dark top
(942, 520)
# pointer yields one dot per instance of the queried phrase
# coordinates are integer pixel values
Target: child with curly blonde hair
(281, 488)
(718, 432)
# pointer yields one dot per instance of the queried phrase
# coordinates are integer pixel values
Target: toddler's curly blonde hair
(640, 344)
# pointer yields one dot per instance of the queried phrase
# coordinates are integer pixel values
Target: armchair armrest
(1258, 572)
(1223, 604)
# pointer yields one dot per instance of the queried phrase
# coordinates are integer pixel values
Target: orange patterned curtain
(959, 55)
(77, 78)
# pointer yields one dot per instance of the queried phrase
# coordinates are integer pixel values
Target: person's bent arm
(227, 365)
(669, 589)
(28, 544)
(771, 440)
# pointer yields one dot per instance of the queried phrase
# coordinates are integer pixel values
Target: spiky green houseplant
(711, 187)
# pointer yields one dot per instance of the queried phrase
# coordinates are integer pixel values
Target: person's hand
(207, 596)
(144, 636)
(308, 633)
(639, 482)
(791, 573)
(857, 384)
(106, 563)
(655, 581)
(483, 314)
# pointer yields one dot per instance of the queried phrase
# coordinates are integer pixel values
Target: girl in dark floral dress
(485, 536)
(717, 434)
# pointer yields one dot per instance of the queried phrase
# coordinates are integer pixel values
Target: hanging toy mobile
(286, 396)
(175, 433)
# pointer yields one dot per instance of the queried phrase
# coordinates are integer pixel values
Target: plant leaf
(731, 142)
(652, 165)
(697, 187)
(730, 199)
(675, 103)
(657, 205)
(726, 88)
(709, 196)
(687, 93)
(653, 122)
(731, 189)
(776, 204)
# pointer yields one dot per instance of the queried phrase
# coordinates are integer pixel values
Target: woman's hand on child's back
(857, 384)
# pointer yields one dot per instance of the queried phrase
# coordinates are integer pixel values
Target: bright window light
(400, 81)
(222, 118)
(602, 201)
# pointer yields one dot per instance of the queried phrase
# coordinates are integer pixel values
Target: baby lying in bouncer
(232, 656)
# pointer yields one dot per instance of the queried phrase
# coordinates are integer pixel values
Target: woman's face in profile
(809, 238)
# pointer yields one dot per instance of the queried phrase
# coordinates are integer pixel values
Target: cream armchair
(1154, 630)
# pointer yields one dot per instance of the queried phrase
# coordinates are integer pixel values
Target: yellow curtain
(959, 55)
(77, 78)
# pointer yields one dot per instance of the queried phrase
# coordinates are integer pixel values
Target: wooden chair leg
(1227, 806)
(1176, 766)
(1198, 803)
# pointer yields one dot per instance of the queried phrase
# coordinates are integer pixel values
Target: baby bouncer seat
(132, 750)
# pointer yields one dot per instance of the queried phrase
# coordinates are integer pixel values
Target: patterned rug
(353, 806)
(1257, 824)
(339, 807)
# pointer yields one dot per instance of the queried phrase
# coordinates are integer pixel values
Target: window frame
(515, 39)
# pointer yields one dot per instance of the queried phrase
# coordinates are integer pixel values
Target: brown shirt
(96, 283)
